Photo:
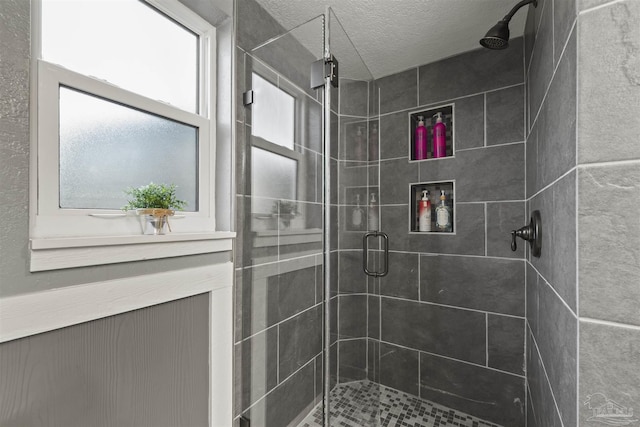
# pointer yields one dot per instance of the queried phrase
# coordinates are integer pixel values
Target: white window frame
(286, 152)
(52, 227)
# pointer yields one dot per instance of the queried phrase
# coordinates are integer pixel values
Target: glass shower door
(279, 339)
(352, 391)
(307, 333)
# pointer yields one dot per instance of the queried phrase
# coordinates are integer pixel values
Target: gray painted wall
(170, 352)
(15, 277)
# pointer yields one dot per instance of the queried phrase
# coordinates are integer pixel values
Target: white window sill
(70, 252)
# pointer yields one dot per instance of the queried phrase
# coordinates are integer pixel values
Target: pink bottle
(420, 140)
(439, 137)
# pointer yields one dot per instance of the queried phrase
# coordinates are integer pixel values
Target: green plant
(285, 208)
(153, 196)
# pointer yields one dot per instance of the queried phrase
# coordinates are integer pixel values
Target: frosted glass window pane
(125, 42)
(106, 147)
(273, 176)
(272, 113)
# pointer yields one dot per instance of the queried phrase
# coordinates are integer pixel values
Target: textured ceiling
(394, 35)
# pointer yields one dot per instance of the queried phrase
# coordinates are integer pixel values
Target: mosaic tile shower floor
(355, 404)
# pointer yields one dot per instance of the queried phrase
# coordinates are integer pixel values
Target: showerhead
(498, 36)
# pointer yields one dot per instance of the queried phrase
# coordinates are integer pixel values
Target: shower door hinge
(247, 98)
(323, 68)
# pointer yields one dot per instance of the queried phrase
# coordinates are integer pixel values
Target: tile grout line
(419, 279)
(462, 150)
(448, 101)
(544, 369)
(484, 117)
(601, 6)
(583, 166)
(278, 324)
(486, 339)
(466, 362)
(577, 208)
(486, 234)
(512, 316)
(553, 36)
(553, 74)
(548, 186)
(263, 397)
(575, 315)
(417, 85)
(609, 323)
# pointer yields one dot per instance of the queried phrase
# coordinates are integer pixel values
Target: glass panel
(280, 339)
(125, 42)
(354, 394)
(106, 147)
(273, 113)
(274, 176)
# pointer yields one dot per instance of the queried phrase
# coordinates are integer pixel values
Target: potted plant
(156, 202)
(285, 210)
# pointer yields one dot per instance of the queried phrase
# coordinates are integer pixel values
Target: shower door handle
(365, 254)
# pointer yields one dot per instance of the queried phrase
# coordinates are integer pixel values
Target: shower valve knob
(530, 233)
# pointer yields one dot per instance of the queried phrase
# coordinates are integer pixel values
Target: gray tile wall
(608, 182)
(450, 318)
(551, 289)
(583, 171)
(279, 289)
(563, 176)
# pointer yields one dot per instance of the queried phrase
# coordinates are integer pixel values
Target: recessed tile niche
(360, 140)
(360, 207)
(434, 189)
(429, 121)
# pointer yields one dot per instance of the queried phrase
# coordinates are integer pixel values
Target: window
(108, 146)
(273, 111)
(125, 96)
(278, 169)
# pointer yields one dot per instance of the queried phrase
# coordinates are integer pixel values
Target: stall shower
(323, 166)
(451, 327)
